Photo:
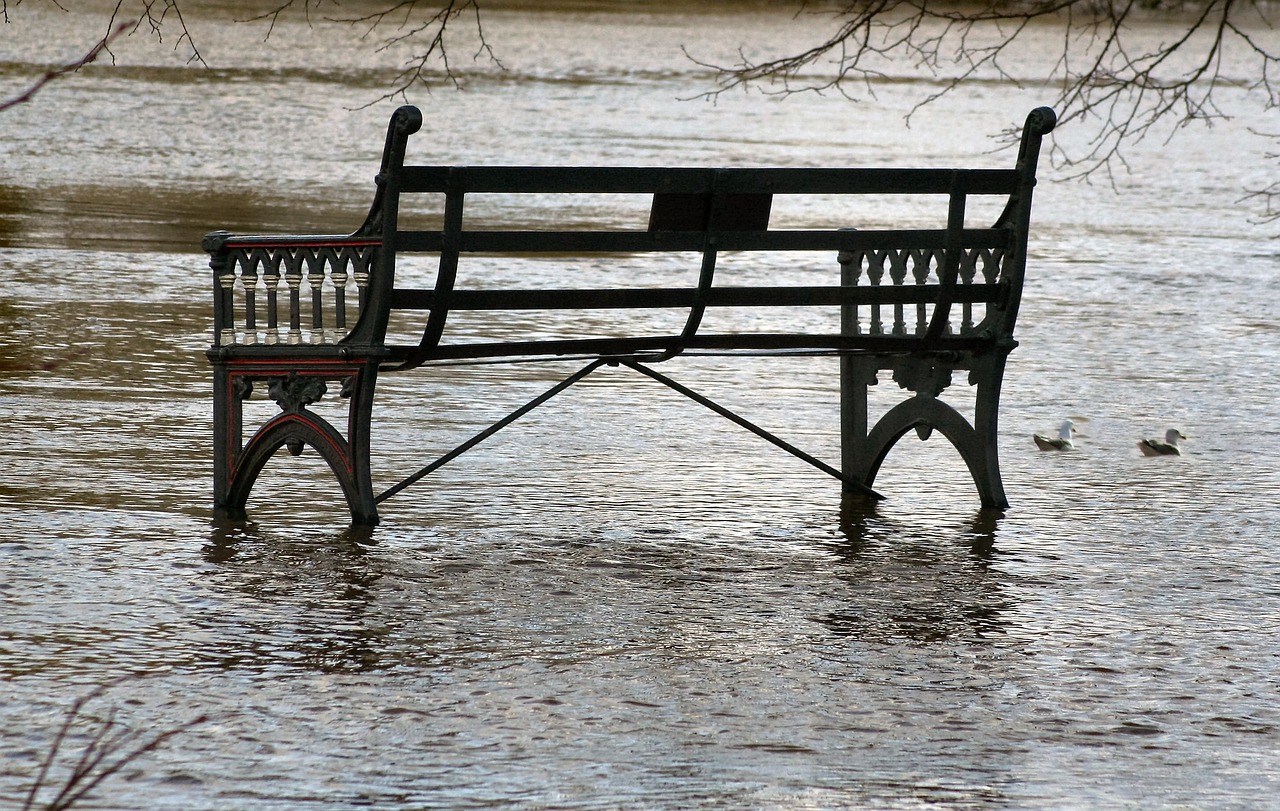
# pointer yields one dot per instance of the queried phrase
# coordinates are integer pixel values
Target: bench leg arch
(295, 429)
(976, 446)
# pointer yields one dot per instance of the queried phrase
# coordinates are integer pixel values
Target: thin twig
(70, 68)
(1120, 92)
(110, 750)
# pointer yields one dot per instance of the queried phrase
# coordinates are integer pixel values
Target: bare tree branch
(426, 25)
(110, 749)
(1121, 89)
(273, 15)
(152, 15)
(51, 75)
(1269, 195)
(430, 27)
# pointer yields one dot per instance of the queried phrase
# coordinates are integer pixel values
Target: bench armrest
(296, 290)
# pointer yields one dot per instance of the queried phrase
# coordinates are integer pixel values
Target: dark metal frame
(706, 211)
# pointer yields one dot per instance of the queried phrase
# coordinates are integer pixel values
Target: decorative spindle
(316, 262)
(875, 272)
(362, 282)
(368, 260)
(968, 269)
(293, 280)
(338, 273)
(898, 274)
(992, 269)
(921, 268)
(249, 282)
(992, 265)
(271, 280)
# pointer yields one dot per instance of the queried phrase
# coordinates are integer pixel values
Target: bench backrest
(451, 244)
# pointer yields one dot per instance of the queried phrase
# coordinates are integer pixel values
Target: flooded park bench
(450, 267)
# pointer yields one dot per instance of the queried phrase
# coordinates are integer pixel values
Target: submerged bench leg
(294, 387)
(856, 376)
(864, 449)
(987, 375)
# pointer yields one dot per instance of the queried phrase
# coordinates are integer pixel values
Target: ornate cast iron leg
(294, 387)
(864, 450)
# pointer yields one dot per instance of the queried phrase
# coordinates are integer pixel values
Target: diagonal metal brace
(849, 481)
(491, 430)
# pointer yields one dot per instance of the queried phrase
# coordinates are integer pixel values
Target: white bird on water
(1154, 447)
(1060, 443)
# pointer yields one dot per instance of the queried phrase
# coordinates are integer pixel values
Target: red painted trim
(294, 363)
(297, 417)
(363, 243)
(326, 370)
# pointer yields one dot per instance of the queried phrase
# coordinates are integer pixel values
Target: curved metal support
(292, 429)
(706, 275)
(405, 121)
(294, 386)
(976, 443)
(371, 327)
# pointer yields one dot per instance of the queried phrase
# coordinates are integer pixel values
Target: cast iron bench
(450, 267)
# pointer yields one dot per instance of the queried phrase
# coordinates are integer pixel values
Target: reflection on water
(332, 583)
(931, 586)
(622, 601)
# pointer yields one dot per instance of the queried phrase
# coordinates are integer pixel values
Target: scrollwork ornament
(922, 376)
(294, 393)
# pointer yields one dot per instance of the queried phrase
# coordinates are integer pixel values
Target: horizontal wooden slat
(654, 298)
(760, 342)
(693, 180)
(555, 179)
(855, 240)
(570, 242)
(870, 181)
(579, 241)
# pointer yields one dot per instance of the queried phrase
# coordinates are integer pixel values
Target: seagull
(1154, 447)
(1060, 443)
